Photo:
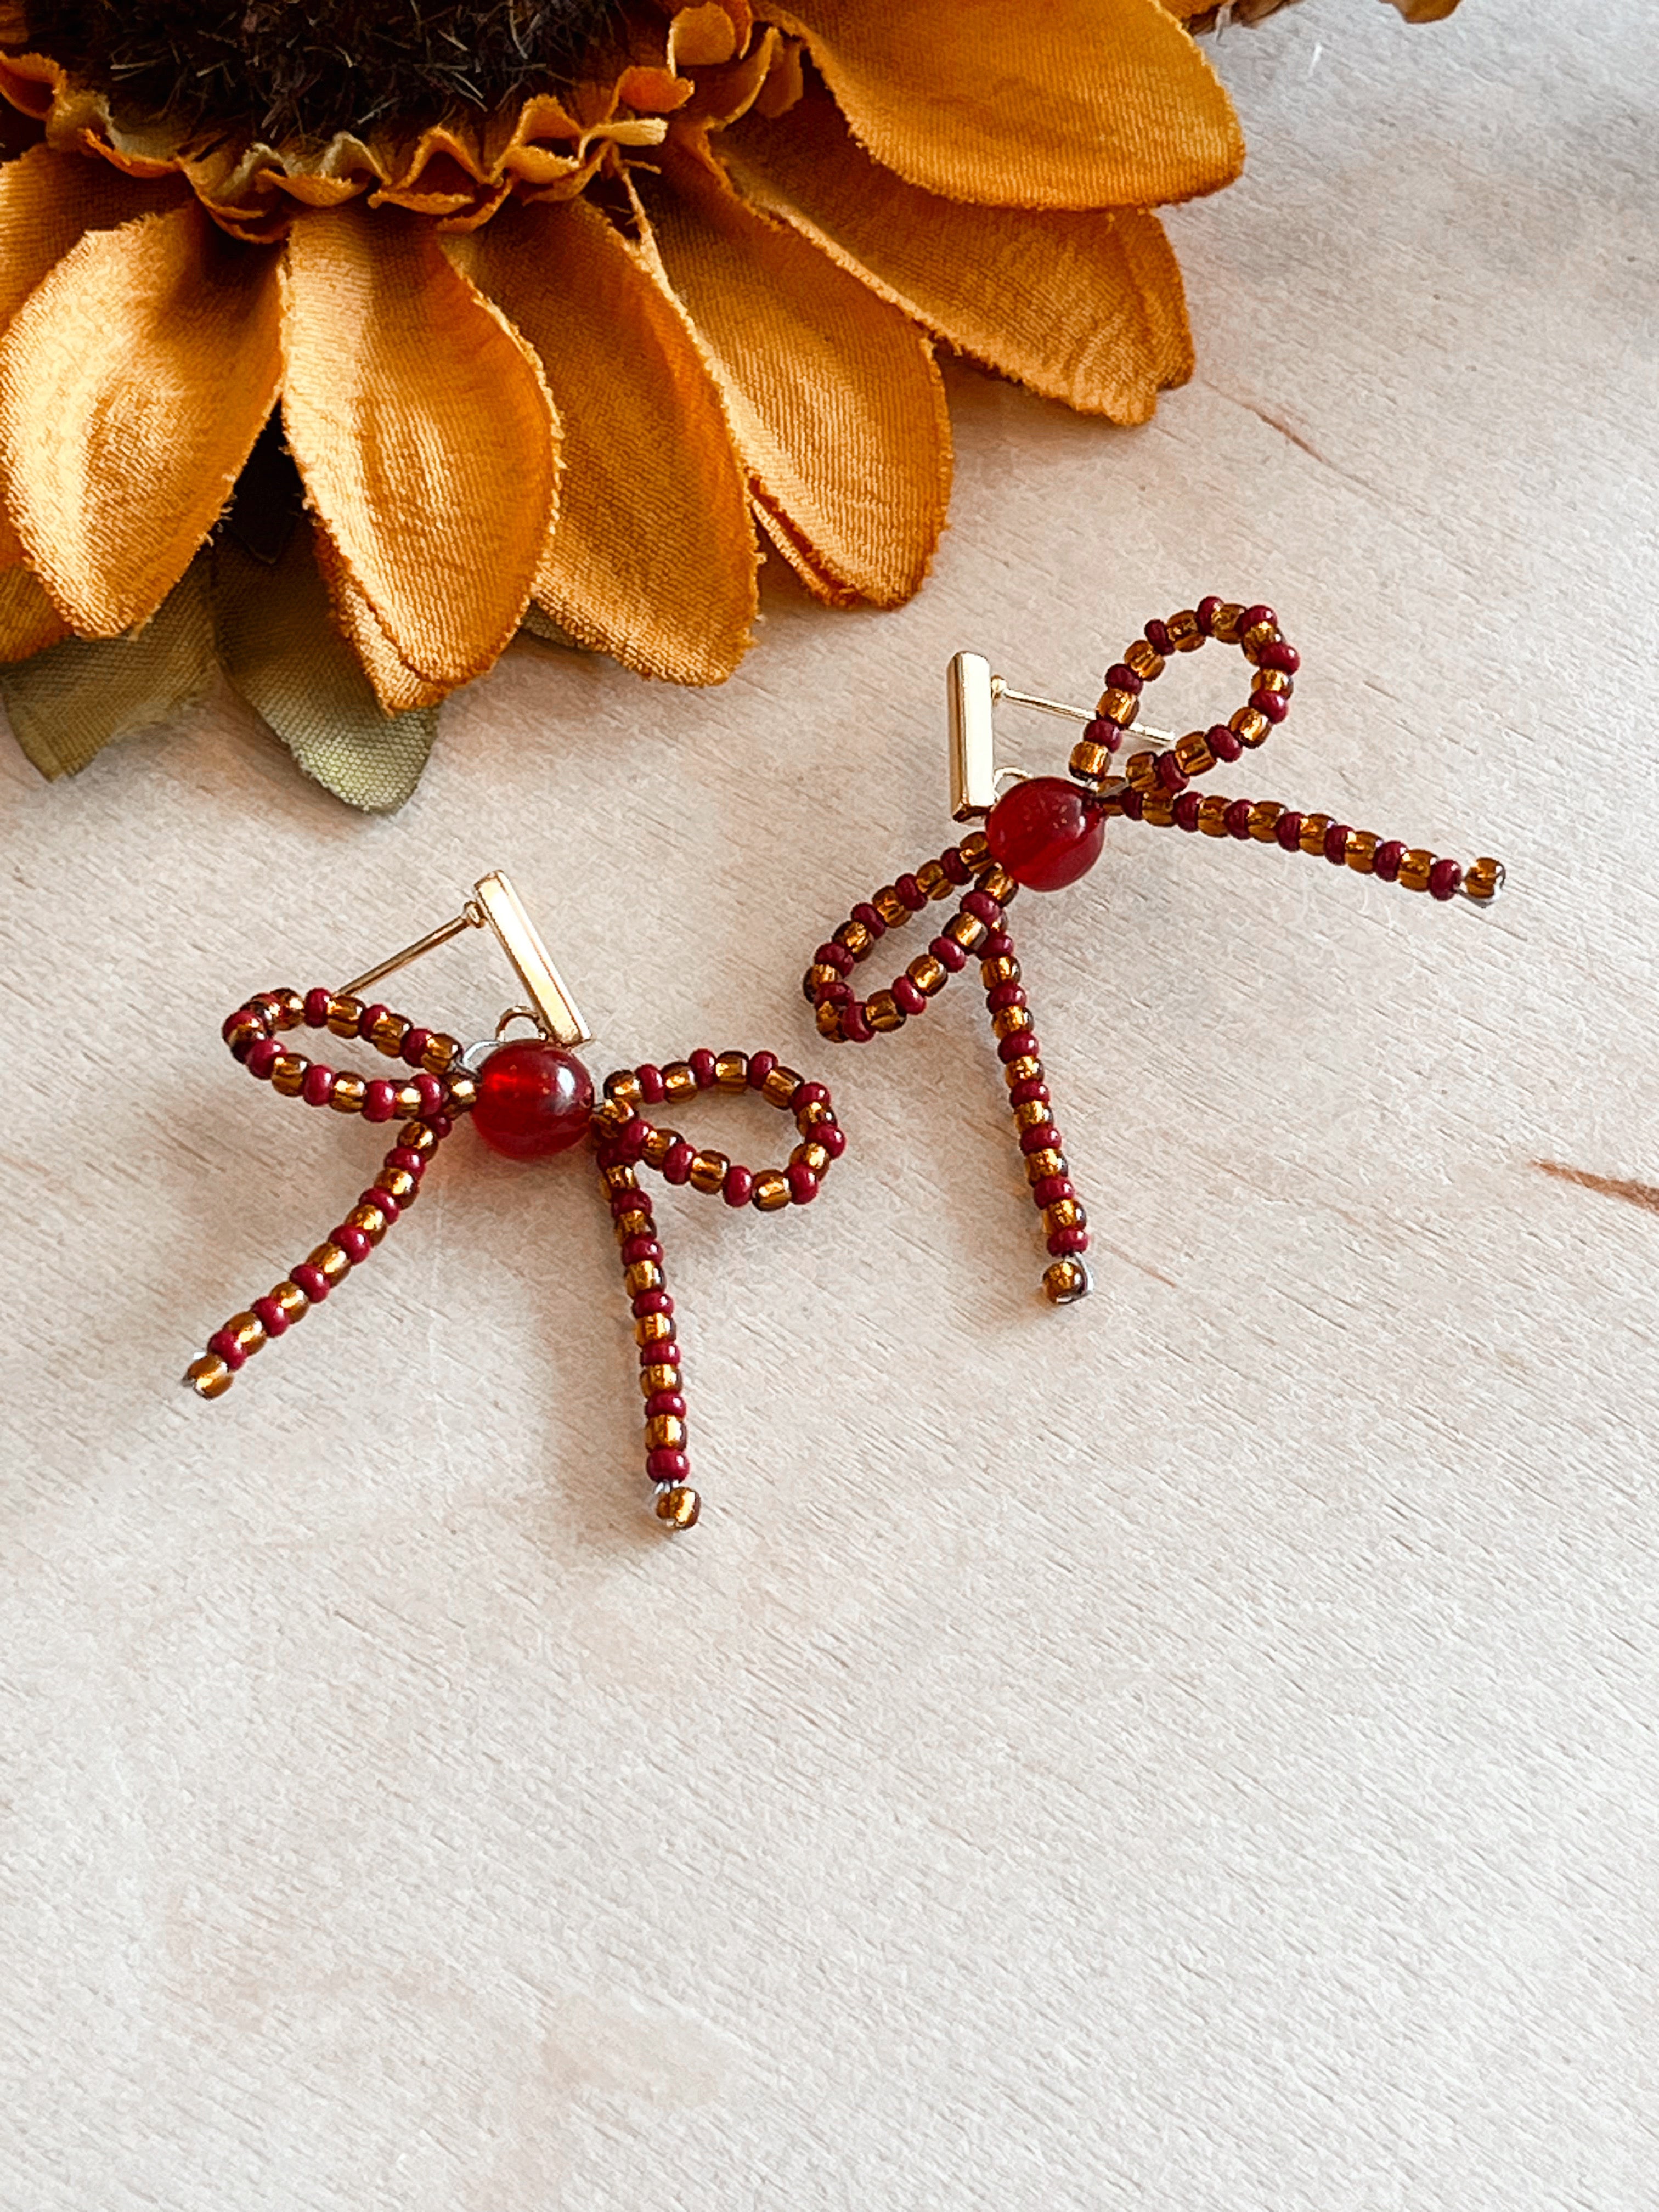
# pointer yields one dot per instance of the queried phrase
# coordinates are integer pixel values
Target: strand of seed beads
(842, 1016)
(430, 1101)
(1048, 1172)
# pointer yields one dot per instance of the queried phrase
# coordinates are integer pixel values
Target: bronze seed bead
(407, 1098)
(1028, 1068)
(644, 1275)
(1183, 632)
(1005, 968)
(288, 1074)
(997, 884)
(781, 1085)
(659, 1145)
(1274, 680)
(1312, 839)
(398, 1185)
(827, 1019)
(819, 976)
(290, 1008)
(611, 1115)
(883, 1012)
(1032, 1115)
(890, 906)
(618, 1176)
(1212, 814)
(664, 1433)
(1119, 706)
(677, 1508)
(1361, 851)
(636, 1222)
(813, 1155)
(927, 971)
(388, 1034)
(1091, 762)
(654, 1328)
(1256, 636)
(623, 1087)
(415, 1136)
(330, 1263)
(975, 851)
(290, 1300)
(707, 1170)
(1225, 623)
(1483, 879)
(1157, 808)
(933, 880)
(771, 1190)
(732, 1071)
(1146, 660)
(1065, 1281)
(245, 1033)
(1415, 869)
(370, 1219)
(1039, 1166)
(966, 930)
(441, 1053)
(463, 1092)
(1264, 820)
(854, 937)
(1140, 771)
(1064, 1213)
(247, 1331)
(812, 1114)
(655, 1378)
(1249, 726)
(679, 1082)
(344, 1016)
(1193, 755)
(208, 1376)
(1011, 1020)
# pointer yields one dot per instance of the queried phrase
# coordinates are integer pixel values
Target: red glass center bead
(1046, 833)
(533, 1100)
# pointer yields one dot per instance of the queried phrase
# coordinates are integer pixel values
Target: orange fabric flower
(550, 365)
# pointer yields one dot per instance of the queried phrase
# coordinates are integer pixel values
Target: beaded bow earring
(528, 1097)
(1044, 832)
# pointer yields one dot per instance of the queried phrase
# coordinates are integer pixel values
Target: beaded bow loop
(528, 1098)
(1045, 832)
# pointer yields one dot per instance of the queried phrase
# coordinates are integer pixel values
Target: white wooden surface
(1195, 1752)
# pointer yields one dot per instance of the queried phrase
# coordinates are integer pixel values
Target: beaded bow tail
(1046, 832)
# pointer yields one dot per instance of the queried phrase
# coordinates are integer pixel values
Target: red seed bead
(1068, 1240)
(534, 1099)
(1100, 731)
(228, 1350)
(701, 1064)
(803, 1183)
(1385, 861)
(854, 1025)
(832, 1137)
(664, 1352)
(867, 913)
(1045, 1138)
(414, 1045)
(1017, 1045)
(999, 945)
(908, 997)
(1288, 832)
(318, 1085)
(1053, 1188)
(807, 1094)
(440, 1124)
(649, 1078)
(1005, 994)
(639, 1248)
(949, 954)
(1224, 743)
(1045, 833)
(1157, 636)
(1186, 811)
(1279, 655)
(1034, 1092)
(677, 1167)
(316, 1009)
(665, 1401)
(411, 1163)
(828, 995)
(1445, 880)
(312, 1281)
(1252, 617)
(268, 1314)
(760, 1064)
(1170, 772)
(1131, 803)
(242, 1016)
(911, 893)
(369, 1018)
(385, 1201)
(982, 906)
(630, 1199)
(263, 1056)
(652, 1301)
(1238, 819)
(1120, 676)
(354, 1242)
(1336, 843)
(380, 1101)
(739, 1186)
(1273, 704)
(954, 868)
(829, 955)
(667, 1465)
(1206, 610)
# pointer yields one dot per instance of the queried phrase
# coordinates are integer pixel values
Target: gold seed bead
(677, 1508)
(208, 1376)
(1483, 879)
(1157, 808)
(996, 882)
(679, 1082)
(636, 1222)
(1183, 631)
(248, 1030)
(1031, 1116)
(854, 937)
(1091, 762)
(288, 1074)
(398, 1185)
(1264, 820)
(890, 906)
(1119, 706)
(927, 972)
(407, 1098)
(659, 1145)
(1005, 968)
(1194, 753)
(1212, 814)
(463, 1092)
(290, 1300)
(707, 1170)
(290, 1008)
(933, 880)
(441, 1053)
(344, 1016)
(1064, 1213)
(1028, 1068)
(370, 1219)
(781, 1085)
(812, 1114)
(828, 1021)
(1011, 1020)
(811, 1155)
(1415, 869)
(330, 1263)
(623, 1087)
(1256, 636)
(1146, 660)
(1039, 1166)
(1225, 622)
(771, 1190)
(388, 1034)
(654, 1328)
(246, 1331)
(618, 1177)
(1361, 853)
(1065, 1282)
(883, 1012)
(1274, 680)
(1141, 770)
(976, 850)
(653, 1379)
(664, 1433)
(966, 930)
(732, 1071)
(819, 976)
(1312, 837)
(644, 1275)
(1249, 726)
(415, 1136)
(612, 1114)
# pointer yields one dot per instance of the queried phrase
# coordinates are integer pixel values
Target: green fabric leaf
(542, 627)
(67, 704)
(278, 646)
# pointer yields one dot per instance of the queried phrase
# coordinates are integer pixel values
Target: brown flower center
(305, 69)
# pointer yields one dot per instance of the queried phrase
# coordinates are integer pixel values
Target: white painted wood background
(1194, 1752)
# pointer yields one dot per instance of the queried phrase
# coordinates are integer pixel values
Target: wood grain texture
(1194, 1752)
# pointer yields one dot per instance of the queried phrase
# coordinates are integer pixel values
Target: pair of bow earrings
(530, 1097)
